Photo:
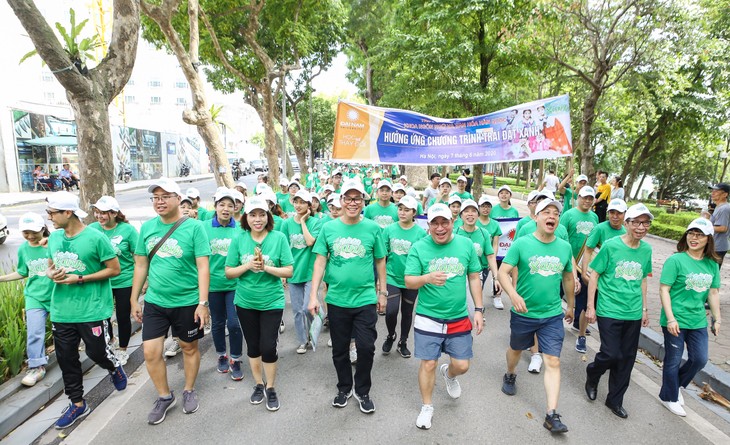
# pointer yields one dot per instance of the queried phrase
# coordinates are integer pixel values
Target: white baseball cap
(701, 224)
(586, 191)
(167, 185)
(31, 221)
(617, 204)
(256, 202)
(334, 199)
(468, 203)
(408, 202)
(64, 200)
(238, 196)
(461, 178)
(542, 205)
(445, 181)
(283, 181)
(581, 178)
(404, 177)
(327, 187)
(242, 184)
(485, 199)
(354, 185)
(192, 193)
(225, 193)
(106, 204)
(398, 186)
(263, 188)
(437, 210)
(454, 198)
(637, 210)
(303, 195)
(336, 172)
(295, 183)
(532, 195)
(269, 196)
(505, 187)
(296, 177)
(546, 193)
(385, 183)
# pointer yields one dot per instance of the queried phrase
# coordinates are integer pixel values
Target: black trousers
(261, 331)
(345, 323)
(66, 337)
(619, 344)
(601, 208)
(405, 299)
(123, 306)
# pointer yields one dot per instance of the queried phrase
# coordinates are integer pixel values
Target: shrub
(666, 230)
(681, 219)
(12, 329)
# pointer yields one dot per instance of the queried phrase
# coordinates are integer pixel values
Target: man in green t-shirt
(199, 212)
(460, 191)
(81, 262)
(177, 295)
(542, 261)
(383, 212)
(439, 266)
(348, 247)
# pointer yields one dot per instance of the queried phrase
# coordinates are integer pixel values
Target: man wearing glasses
(619, 273)
(177, 295)
(347, 247)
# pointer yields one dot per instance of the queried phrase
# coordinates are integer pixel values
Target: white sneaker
(329, 342)
(123, 356)
(680, 399)
(535, 363)
(33, 376)
(497, 302)
(675, 408)
(302, 349)
(282, 327)
(173, 349)
(207, 328)
(424, 417)
(353, 354)
(452, 385)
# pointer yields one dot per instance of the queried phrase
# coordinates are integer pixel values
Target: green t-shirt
(690, 281)
(457, 259)
(463, 195)
(398, 242)
(522, 222)
(281, 197)
(287, 206)
(173, 272)
(622, 270)
(259, 290)
(492, 227)
(482, 243)
(352, 250)
(384, 216)
(579, 225)
(220, 238)
(433, 201)
(499, 212)
(540, 268)
(83, 254)
(419, 208)
(568, 199)
(278, 221)
(458, 223)
(205, 214)
(124, 239)
(302, 254)
(32, 263)
(531, 226)
(602, 233)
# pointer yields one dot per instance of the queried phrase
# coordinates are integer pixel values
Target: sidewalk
(19, 198)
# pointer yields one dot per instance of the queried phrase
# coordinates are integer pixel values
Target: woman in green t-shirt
(32, 264)
(259, 258)
(505, 209)
(689, 278)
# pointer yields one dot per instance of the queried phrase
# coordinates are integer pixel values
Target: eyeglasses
(53, 212)
(645, 224)
(162, 198)
(349, 200)
(695, 234)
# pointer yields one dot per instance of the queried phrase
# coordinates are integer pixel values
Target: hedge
(680, 219)
(667, 230)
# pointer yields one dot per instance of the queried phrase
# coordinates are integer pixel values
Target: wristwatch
(479, 309)
(80, 280)
(383, 293)
(204, 303)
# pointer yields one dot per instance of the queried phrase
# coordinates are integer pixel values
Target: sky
(334, 81)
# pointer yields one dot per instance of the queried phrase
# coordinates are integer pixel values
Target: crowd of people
(345, 243)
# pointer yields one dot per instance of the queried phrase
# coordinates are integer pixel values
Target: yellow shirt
(605, 191)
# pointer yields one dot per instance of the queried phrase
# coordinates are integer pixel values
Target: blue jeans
(299, 295)
(36, 339)
(674, 375)
(222, 313)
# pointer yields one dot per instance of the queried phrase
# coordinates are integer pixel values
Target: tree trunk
(638, 189)
(417, 176)
(272, 157)
(587, 151)
(519, 173)
(478, 185)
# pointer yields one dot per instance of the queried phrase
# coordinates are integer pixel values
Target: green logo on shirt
(37, 267)
(247, 257)
(116, 241)
(383, 220)
(296, 241)
(628, 270)
(478, 248)
(400, 246)
(449, 265)
(348, 248)
(584, 227)
(68, 261)
(219, 246)
(546, 265)
(169, 249)
(698, 282)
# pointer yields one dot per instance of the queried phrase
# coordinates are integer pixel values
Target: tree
(89, 91)
(200, 115)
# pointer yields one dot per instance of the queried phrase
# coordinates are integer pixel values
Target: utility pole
(283, 122)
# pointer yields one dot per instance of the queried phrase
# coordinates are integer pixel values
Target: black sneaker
(403, 349)
(341, 399)
(388, 344)
(366, 405)
(258, 394)
(553, 424)
(272, 401)
(509, 386)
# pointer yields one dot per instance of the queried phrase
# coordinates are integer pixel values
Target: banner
(374, 135)
(508, 227)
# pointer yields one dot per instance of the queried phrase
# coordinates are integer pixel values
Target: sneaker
(114, 343)
(535, 363)
(509, 384)
(575, 329)
(173, 349)
(388, 344)
(424, 417)
(159, 410)
(553, 423)
(302, 349)
(403, 349)
(258, 394)
(680, 399)
(71, 414)
(236, 370)
(119, 378)
(675, 408)
(353, 354)
(223, 366)
(272, 401)
(341, 399)
(282, 327)
(33, 376)
(329, 342)
(452, 385)
(366, 405)
(497, 302)
(122, 356)
(208, 328)
(580, 344)
(190, 402)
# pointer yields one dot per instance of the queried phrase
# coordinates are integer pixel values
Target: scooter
(4, 232)
(184, 170)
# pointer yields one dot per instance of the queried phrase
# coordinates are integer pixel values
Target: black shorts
(156, 320)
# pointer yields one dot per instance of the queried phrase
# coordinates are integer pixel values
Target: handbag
(164, 238)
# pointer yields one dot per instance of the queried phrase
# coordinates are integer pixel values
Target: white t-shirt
(429, 193)
(551, 183)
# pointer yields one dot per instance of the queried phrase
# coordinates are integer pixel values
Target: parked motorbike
(184, 170)
(4, 232)
(125, 174)
(236, 170)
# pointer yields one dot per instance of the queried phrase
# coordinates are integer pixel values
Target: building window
(155, 83)
(180, 84)
(130, 99)
(47, 77)
(155, 100)
(181, 101)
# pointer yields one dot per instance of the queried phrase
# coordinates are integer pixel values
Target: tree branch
(115, 69)
(219, 51)
(580, 73)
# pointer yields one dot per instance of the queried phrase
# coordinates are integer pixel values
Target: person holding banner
(505, 209)
(569, 194)
(440, 266)
(383, 212)
(444, 192)
(492, 228)
(542, 261)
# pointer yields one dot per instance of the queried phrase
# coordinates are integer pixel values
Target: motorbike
(125, 174)
(4, 232)
(236, 170)
(184, 170)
